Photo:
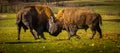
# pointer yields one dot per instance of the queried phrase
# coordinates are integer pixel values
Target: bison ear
(62, 11)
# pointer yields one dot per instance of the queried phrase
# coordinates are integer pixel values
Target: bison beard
(37, 18)
(73, 19)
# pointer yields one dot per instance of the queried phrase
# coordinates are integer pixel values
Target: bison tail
(19, 18)
(20, 23)
(100, 19)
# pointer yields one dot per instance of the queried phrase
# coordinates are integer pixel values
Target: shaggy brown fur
(34, 17)
(75, 18)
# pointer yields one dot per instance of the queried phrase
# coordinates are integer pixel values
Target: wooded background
(13, 6)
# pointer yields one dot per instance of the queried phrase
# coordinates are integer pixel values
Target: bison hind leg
(19, 25)
(93, 34)
(99, 31)
(25, 28)
(86, 27)
(93, 29)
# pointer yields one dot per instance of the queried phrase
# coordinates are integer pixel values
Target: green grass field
(110, 43)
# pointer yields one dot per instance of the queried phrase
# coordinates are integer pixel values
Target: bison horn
(52, 18)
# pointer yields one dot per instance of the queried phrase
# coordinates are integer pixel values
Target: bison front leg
(35, 36)
(40, 32)
(69, 36)
(28, 25)
(31, 30)
(71, 29)
(42, 36)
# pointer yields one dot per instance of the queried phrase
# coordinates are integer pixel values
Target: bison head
(54, 27)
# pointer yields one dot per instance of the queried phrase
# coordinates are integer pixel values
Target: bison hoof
(68, 38)
(37, 38)
(100, 37)
(91, 38)
(78, 37)
(18, 39)
(44, 38)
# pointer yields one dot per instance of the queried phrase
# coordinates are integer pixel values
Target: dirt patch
(6, 18)
(112, 36)
(3, 15)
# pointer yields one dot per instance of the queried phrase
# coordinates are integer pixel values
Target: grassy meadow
(110, 43)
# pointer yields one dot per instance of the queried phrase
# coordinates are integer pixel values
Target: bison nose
(51, 32)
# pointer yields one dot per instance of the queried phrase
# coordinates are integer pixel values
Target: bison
(72, 19)
(38, 19)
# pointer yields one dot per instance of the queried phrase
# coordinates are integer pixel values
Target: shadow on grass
(20, 42)
(113, 20)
